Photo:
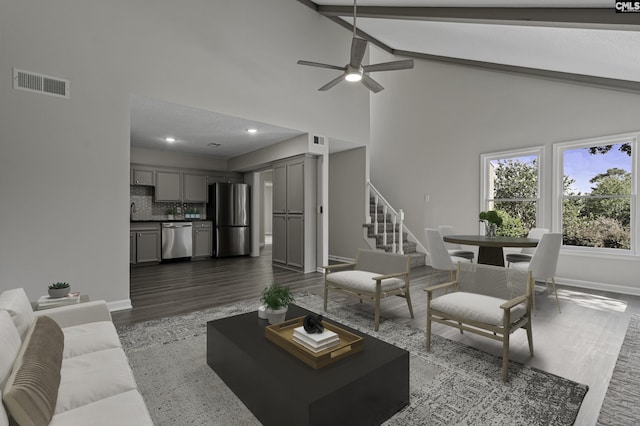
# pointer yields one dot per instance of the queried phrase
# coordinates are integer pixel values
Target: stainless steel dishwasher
(176, 240)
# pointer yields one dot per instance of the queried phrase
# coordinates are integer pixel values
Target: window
(511, 183)
(594, 187)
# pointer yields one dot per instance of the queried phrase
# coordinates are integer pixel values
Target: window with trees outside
(594, 185)
(511, 182)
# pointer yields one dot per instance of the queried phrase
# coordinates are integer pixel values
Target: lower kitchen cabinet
(144, 243)
(279, 242)
(287, 246)
(202, 239)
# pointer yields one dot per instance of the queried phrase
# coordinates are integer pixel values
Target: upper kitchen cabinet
(168, 186)
(295, 186)
(142, 177)
(279, 202)
(195, 188)
(288, 183)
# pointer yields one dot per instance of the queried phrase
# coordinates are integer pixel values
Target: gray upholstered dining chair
(454, 249)
(544, 262)
(490, 301)
(441, 260)
(527, 252)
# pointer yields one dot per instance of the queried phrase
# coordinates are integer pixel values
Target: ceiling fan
(354, 70)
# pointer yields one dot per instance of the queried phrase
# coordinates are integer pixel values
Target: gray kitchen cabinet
(295, 186)
(202, 239)
(279, 239)
(168, 186)
(145, 244)
(294, 214)
(279, 179)
(295, 241)
(142, 177)
(195, 188)
(132, 247)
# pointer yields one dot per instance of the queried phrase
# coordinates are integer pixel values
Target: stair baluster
(401, 246)
(384, 230)
(375, 215)
(393, 234)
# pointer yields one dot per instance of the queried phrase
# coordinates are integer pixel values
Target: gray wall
(64, 164)
(347, 185)
(430, 125)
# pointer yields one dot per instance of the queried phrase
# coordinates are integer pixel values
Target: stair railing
(397, 219)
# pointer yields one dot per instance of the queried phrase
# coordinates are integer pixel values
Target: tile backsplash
(147, 209)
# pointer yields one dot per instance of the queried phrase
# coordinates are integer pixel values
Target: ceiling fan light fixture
(353, 74)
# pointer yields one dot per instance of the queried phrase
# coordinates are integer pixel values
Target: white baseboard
(119, 305)
(613, 288)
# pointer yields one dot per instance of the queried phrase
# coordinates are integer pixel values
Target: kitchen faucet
(132, 210)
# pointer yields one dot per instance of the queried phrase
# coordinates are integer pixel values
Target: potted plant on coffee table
(59, 289)
(276, 299)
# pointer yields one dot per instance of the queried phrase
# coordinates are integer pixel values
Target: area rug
(621, 405)
(452, 384)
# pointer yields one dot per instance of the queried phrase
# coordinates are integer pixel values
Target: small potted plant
(170, 213)
(59, 289)
(276, 299)
(492, 221)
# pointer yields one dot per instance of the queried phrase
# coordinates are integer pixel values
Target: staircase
(391, 223)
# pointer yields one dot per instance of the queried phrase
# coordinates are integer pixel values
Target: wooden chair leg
(377, 319)
(326, 294)
(428, 331)
(407, 296)
(505, 344)
(530, 336)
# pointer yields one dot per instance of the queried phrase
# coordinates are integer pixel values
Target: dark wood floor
(582, 343)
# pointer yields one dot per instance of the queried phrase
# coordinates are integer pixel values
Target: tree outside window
(597, 195)
(512, 188)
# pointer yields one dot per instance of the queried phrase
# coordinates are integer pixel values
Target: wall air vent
(318, 140)
(40, 83)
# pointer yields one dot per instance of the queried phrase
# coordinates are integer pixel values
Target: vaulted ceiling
(584, 41)
(580, 41)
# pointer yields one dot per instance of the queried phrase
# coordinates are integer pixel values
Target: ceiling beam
(570, 17)
(587, 80)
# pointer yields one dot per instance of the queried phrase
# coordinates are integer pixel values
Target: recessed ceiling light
(252, 130)
(170, 139)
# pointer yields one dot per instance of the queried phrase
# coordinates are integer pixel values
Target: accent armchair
(487, 300)
(374, 276)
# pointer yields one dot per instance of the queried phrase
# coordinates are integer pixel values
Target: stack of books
(46, 302)
(315, 342)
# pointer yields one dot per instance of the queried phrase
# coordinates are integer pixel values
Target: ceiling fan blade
(320, 65)
(332, 83)
(358, 47)
(371, 84)
(389, 66)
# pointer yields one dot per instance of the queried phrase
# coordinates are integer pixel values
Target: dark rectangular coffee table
(365, 388)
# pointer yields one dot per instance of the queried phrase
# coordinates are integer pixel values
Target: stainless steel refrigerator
(229, 208)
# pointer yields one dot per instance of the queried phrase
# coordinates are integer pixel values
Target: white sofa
(69, 371)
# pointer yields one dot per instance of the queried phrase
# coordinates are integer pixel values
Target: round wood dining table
(490, 248)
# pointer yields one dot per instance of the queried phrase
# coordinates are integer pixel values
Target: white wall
(347, 185)
(64, 164)
(430, 125)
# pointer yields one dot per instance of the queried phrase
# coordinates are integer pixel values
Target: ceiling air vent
(40, 83)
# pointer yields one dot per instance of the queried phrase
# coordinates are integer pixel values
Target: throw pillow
(32, 389)
(16, 302)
